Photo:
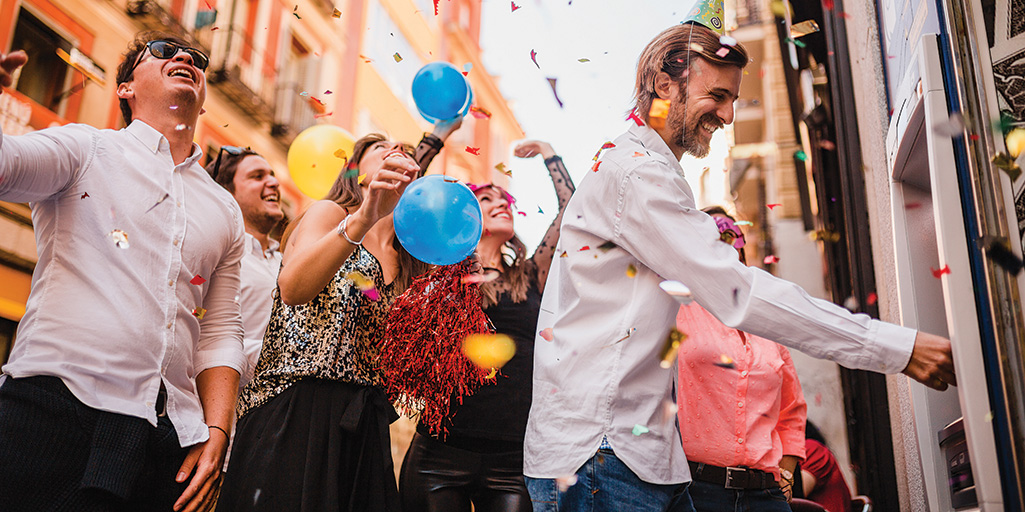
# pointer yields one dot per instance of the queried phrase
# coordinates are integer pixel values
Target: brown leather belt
(732, 477)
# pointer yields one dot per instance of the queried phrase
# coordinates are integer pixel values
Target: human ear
(125, 91)
(664, 85)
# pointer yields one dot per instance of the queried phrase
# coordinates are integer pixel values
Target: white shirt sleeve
(652, 221)
(220, 340)
(38, 165)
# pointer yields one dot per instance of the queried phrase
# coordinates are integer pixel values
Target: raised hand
(9, 64)
(931, 362)
(529, 148)
(387, 186)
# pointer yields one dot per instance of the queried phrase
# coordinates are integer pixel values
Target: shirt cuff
(232, 357)
(892, 349)
(793, 443)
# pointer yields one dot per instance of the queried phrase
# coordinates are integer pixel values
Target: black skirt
(319, 445)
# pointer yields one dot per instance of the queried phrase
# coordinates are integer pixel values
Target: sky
(597, 94)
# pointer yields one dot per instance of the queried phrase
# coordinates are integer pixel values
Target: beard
(686, 132)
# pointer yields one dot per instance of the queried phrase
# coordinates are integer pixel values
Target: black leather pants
(439, 478)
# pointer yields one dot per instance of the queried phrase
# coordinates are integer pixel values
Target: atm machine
(954, 430)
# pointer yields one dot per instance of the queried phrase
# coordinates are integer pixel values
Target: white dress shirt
(259, 279)
(600, 374)
(112, 319)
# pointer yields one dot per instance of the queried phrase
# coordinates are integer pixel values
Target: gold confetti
(803, 28)
(489, 350)
(503, 169)
(697, 47)
(342, 154)
(397, 57)
(1004, 162)
(672, 345)
(198, 312)
(631, 271)
(1015, 142)
(360, 179)
(120, 238)
(564, 254)
(336, 14)
(658, 112)
(725, 361)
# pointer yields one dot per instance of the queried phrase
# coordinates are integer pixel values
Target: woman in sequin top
(313, 424)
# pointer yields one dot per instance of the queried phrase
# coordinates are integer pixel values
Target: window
(45, 77)
(381, 42)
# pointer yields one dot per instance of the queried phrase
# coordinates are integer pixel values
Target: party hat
(708, 13)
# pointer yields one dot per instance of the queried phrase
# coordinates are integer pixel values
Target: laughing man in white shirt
(601, 433)
(120, 387)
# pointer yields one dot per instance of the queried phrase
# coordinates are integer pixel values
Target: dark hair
(516, 274)
(673, 51)
(225, 176)
(812, 432)
(345, 192)
(125, 70)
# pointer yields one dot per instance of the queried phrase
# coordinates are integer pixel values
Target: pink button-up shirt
(748, 415)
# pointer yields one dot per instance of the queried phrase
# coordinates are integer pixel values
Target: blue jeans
(716, 498)
(605, 484)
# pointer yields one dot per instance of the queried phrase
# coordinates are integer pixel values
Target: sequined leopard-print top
(334, 336)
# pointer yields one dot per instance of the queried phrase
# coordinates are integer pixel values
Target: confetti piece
(828, 4)
(539, 210)
(851, 303)
(84, 195)
(594, 168)
(180, 127)
(938, 272)
(296, 15)
(493, 374)
(637, 154)
(198, 280)
(667, 356)
(551, 83)
(606, 145)
(489, 350)
(328, 92)
(304, 94)
(695, 47)
(503, 169)
(583, 60)
(173, 107)
(818, 398)
(198, 312)
(547, 334)
(480, 113)
(723, 51)
(872, 299)
(744, 223)
(953, 127)
(467, 67)
(1015, 142)
(988, 417)
(565, 482)
(773, 205)
(795, 42)
(397, 57)
(912, 206)
(533, 57)
(326, 114)
(521, 213)
(827, 145)
(725, 361)
(657, 113)
(120, 238)
(638, 431)
(727, 41)
(801, 155)
(485, 277)
(564, 254)
(770, 259)
(361, 178)
(584, 248)
(365, 285)
(514, 6)
(368, 60)
(803, 28)
(1005, 163)
(335, 13)
(634, 118)
(999, 250)
(473, 151)
(631, 271)
(435, 7)
(678, 291)
(606, 247)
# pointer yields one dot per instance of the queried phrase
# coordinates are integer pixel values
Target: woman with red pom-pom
(313, 423)
(478, 454)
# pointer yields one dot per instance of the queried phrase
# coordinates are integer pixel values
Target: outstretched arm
(431, 143)
(564, 188)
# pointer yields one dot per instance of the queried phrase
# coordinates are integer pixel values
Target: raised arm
(564, 188)
(431, 143)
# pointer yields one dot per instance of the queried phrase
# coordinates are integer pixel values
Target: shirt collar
(652, 141)
(156, 141)
(256, 248)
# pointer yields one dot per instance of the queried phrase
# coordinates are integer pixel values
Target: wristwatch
(786, 474)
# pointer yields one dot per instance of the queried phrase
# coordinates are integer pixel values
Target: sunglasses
(165, 50)
(231, 150)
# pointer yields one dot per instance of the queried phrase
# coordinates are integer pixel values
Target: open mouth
(183, 72)
(709, 127)
(273, 197)
(502, 214)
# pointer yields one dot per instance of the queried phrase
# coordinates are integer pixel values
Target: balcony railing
(154, 15)
(292, 112)
(236, 69)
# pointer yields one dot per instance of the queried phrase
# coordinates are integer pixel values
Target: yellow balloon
(316, 157)
(489, 350)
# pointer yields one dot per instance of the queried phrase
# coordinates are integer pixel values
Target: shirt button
(168, 325)
(740, 404)
(743, 373)
(178, 204)
(740, 440)
(170, 282)
(175, 242)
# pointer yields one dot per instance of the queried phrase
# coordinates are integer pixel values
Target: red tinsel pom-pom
(421, 357)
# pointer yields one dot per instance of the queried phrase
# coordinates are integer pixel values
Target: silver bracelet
(341, 231)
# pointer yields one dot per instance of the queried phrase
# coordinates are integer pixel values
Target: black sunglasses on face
(166, 50)
(231, 150)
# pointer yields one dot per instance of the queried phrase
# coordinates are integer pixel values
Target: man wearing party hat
(602, 432)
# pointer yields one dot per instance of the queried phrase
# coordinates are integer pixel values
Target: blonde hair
(672, 51)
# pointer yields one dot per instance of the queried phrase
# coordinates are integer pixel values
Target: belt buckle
(729, 477)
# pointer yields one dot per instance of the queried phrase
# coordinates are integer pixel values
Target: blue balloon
(440, 92)
(438, 220)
